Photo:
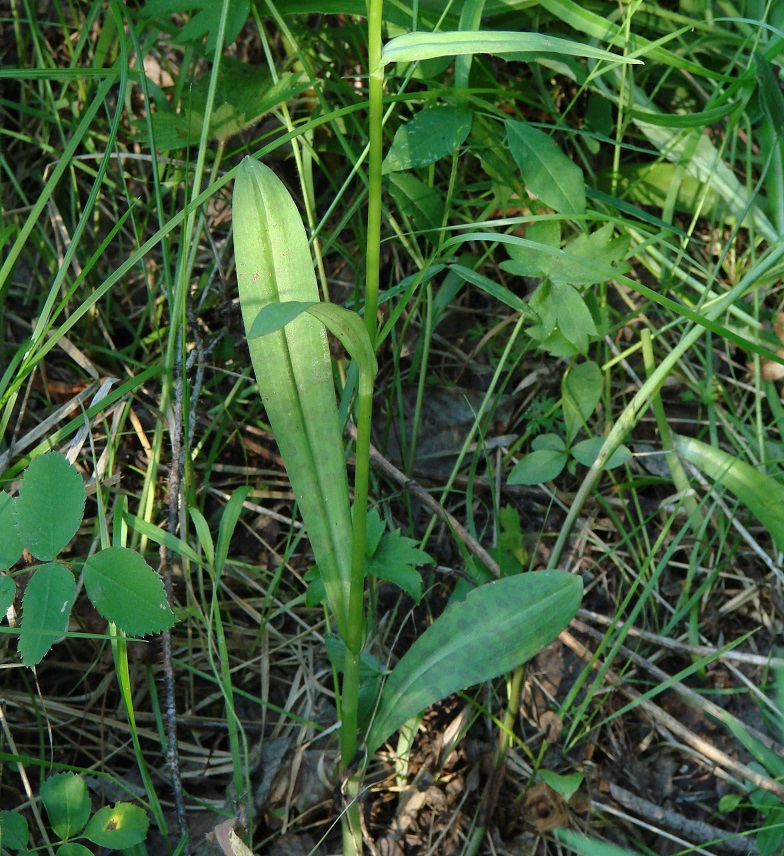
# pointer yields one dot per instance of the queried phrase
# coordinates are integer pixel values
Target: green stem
(375, 133)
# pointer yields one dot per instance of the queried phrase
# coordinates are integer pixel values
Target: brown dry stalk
(666, 722)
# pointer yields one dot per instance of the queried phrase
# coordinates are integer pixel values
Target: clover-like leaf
(50, 505)
(126, 590)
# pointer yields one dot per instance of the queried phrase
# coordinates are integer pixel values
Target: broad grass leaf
(11, 547)
(46, 608)
(431, 135)
(15, 831)
(427, 45)
(537, 467)
(546, 170)
(761, 494)
(126, 590)
(50, 505)
(118, 827)
(581, 391)
(496, 628)
(67, 803)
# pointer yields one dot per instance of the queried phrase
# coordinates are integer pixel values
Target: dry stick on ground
(175, 434)
(416, 489)
(669, 723)
(694, 829)
(704, 704)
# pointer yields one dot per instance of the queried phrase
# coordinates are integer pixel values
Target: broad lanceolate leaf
(496, 628)
(423, 45)
(547, 171)
(67, 802)
(50, 505)
(761, 494)
(11, 547)
(118, 827)
(46, 608)
(126, 590)
(293, 370)
(431, 135)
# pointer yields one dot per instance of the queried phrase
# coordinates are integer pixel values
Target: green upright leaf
(11, 548)
(126, 590)
(119, 827)
(46, 608)
(50, 505)
(547, 171)
(761, 494)
(426, 45)
(496, 628)
(67, 803)
(293, 370)
(431, 135)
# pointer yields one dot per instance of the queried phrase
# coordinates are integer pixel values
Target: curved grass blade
(761, 494)
(423, 45)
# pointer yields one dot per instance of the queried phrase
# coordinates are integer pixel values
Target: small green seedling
(42, 520)
(581, 392)
(69, 809)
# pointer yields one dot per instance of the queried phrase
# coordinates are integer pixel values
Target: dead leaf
(543, 808)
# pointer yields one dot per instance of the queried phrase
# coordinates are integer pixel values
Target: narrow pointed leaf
(293, 369)
(761, 494)
(496, 628)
